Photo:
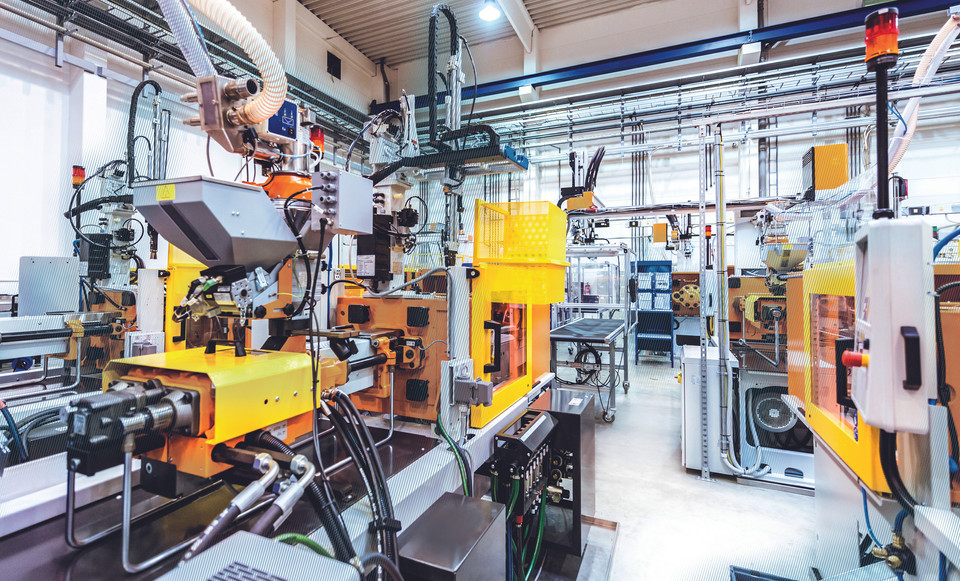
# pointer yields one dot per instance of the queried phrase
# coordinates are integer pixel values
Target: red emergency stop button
(855, 359)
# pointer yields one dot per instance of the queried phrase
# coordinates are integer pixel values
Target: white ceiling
(396, 30)
(547, 13)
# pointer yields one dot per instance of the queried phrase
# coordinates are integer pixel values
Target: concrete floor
(674, 526)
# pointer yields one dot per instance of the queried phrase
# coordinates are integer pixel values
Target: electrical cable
(378, 118)
(13, 431)
(943, 242)
(131, 129)
(888, 464)
(380, 560)
(74, 210)
(440, 430)
(326, 288)
(209, 163)
(303, 540)
(94, 288)
(473, 101)
(426, 212)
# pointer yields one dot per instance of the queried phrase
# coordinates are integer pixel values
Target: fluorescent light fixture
(490, 11)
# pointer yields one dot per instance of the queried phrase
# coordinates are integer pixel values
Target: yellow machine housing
(520, 252)
(829, 314)
(238, 395)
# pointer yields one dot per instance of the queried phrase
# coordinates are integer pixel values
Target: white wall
(58, 117)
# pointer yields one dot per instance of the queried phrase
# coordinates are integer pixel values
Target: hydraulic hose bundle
(321, 498)
(241, 502)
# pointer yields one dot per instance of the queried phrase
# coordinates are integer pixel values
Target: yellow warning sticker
(166, 192)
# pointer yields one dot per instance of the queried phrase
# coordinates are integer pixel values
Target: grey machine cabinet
(572, 467)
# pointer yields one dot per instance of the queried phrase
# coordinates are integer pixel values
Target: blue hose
(866, 516)
(13, 430)
(898, 522)
(943, 242)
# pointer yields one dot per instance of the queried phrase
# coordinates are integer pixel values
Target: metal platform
(41, 552)
(604, 332)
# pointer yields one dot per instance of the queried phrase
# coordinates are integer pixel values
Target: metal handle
(238, 348)
(911, 358)
(843, 393)
(497, 329)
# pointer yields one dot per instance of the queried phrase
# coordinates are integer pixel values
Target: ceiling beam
(519, 18)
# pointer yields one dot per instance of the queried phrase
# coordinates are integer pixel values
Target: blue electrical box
(282, 127)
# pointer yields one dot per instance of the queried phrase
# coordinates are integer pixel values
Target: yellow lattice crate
(537, 284)
(520, 232)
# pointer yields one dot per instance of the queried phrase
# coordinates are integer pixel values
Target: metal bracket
(473, 391)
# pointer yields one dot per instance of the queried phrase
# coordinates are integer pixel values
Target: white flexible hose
(727, 456)
(268, 101)
(931, 60)
(181, 23)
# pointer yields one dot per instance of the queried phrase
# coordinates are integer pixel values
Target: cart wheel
(626, 387)
(608, 417)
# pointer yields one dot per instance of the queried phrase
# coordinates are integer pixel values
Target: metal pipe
(883, 142)
(366, 362)
(44, 334)
(720, 264)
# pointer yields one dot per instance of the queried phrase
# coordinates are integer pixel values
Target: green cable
(536, 548)
(494, 484)
(456, 454)
(303, 540)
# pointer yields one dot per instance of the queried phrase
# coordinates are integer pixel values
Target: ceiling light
(490, 11)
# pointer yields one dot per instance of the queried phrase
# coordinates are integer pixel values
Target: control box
(345, 200)
(282, 127)
(893, 358)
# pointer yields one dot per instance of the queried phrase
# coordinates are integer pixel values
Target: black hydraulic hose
(211, 533)
(376, 466)
(376, 559)
(91, 204)
(888, 463)
(382, 174)
(322, 501)
(433, 57)
(363, 468)
(493, 138)
(371, 446)
(265, 523)
(131, 128)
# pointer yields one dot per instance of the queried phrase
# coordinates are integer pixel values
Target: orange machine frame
(388, 314)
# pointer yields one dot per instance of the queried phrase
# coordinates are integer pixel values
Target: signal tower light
(882, 31)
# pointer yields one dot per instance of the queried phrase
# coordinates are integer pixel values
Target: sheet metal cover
(588, 330)
(448, 533)
(215, 221)
(246, 556)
